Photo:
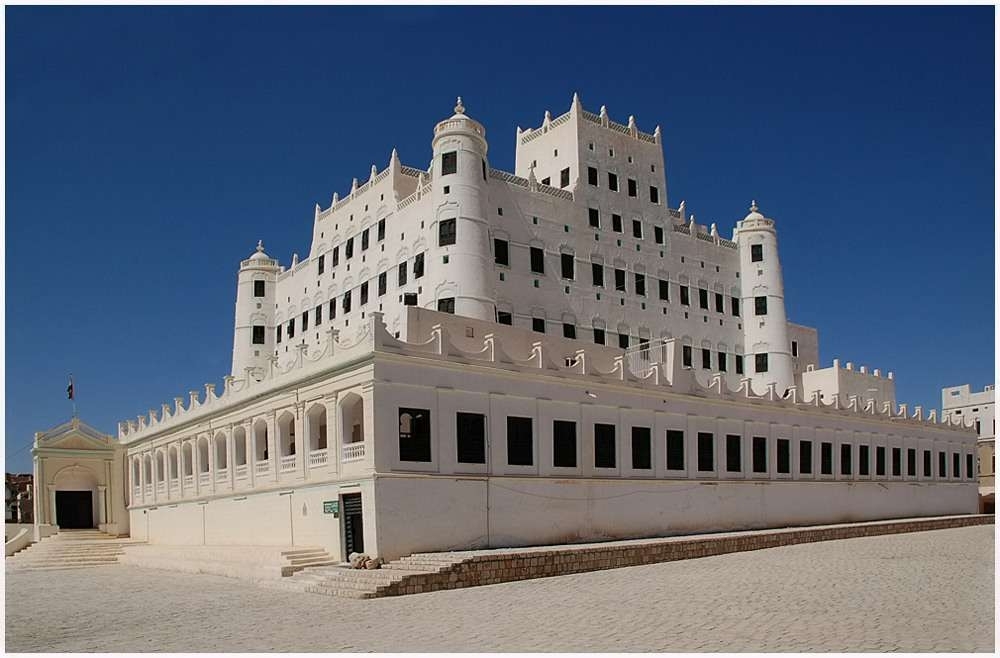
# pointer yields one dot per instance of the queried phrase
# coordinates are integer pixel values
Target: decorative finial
(753, 206)
(548, 116)
(604, 111)
(374, 172)
(575, 105)
(260, 246)
(459, 108)
(393, 157)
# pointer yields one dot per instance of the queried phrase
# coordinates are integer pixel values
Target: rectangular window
(612, 182)
(942, 465)
(564, 444)
(719, 303)
(706, 451)
(706, 359)
(911, 462)
(564, 177)
(382, 283)
(349, 248)
(346, 304)
(278, 333)
(520, 450)
(734, 305)
(664, 290)
(897, 462)
(331, 311)
(501, 252)
(685, 296)
(446, 304)
(642, 449)
(335, 257)
(805, 457)
(597, 273)
(504, 317)
(318, 315)
(795, 348)
(619, 280)
(784, 456)
(956, 465)
(594, 217)
(864, 459)
(258, 335)
(880, 460)
(538, 324)
(604, 445)
(592, 176)
(364, 239)
(470, 438)
(380, 227)
(826, 458)
(418, 266)
(658, 234)
(446, 232)
(305, 320)
(566, 262)
(401, 276)
(599, 338)
(258, 288)
(569, 330)
(760, 362)
(686, 356)
(449, 163)
(537, 260)
(654, 194)
(927, 463)
(756, 253)
(637, 229)
(703, 298)
(363, 295)
(739, 364)
(968, 467)
(759, 454)
(633, 189)
(722, 362)
(414, 435)
(616, 223)
(640, 284)
(675, 450)
(760, 305)
(409, 299)
(623, 341)
(845, 459)
(733, 460)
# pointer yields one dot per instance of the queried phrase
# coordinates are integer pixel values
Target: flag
(69, 389)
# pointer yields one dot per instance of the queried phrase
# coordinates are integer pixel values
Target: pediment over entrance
(73, 435)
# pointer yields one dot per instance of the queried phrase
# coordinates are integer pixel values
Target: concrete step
(295, 568)
(343, 593)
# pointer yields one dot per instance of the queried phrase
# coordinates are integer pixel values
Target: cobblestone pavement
(927, 591)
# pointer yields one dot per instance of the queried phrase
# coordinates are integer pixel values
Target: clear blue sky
(149, 148)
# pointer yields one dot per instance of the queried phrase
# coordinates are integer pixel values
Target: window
(616, 223)
(654, 194)
(664, 290)
(911, 462)
(637, 229)
(318, 315)
(564, 177)
(739, 364)
(686, 356)
(756, 253)
(623, 341)
(760, 305)
(845, 459)
(349, 248)
(414, 435)
(826, 458)
(446, 304)
(733, 461)
(723, 367)
(258, 335)
(619, 280)
(642, 450)
(612, 182)
(592, 176)
(927, 463)
(795, 348)
(675, 450)
(685, 296)
(594, 217)
(978, 427)
(564, 444)
(484, 169)
(449, 163)
(658, 234)
(346, 304)
(633, 189)
(566, 260)
(446, 232)
(380, 228)
(897, 462)
(305, 320)
(719, 303)
(640, 284)
(734, 305)
(597, 273)
(409, 299)
(864, 459)
(258, 288)
(519, 441)
(805, 457)
(706, 359)
(418, 266)
(968, 466)
(759, 454)
(470, 436)
(364, 239)
(784, 456)
(278, 333)
(335, 257)
(537, 260)
(504, 317)
(956, 465)
(538, 324)
(546, 180)
(401, 276)
(604, 445)
(331, 310)
(569, 330)
(880, 460)
(382, 283)
(760, 362)
(501, 252)
(703, 298)
(706, 450)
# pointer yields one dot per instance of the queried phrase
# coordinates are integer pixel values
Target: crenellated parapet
(601, 119)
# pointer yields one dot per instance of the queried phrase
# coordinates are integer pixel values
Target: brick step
(426, 567)
(341, 593)
(295, 568)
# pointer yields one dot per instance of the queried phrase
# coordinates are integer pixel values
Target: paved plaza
(925, 591)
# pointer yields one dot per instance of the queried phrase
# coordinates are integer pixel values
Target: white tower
(765, 326)
(253, 337)
(460, 181)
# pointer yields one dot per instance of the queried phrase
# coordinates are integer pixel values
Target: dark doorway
(354, 534)
(75, 509)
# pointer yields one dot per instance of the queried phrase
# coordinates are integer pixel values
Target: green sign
(331, 507)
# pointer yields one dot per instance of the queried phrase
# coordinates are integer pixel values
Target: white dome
(259, 253)
(753, 212)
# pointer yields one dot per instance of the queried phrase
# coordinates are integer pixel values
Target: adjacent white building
(961, 404)
(469, 357)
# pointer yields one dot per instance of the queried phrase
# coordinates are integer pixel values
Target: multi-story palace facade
(473, 358)
(978, 408)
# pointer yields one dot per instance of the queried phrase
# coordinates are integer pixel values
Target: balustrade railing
(205, 478)
(354, 451)
(288, 463)
(262, 466)
(241, 472)
(149, 490)
(161, 487)
(188, 481)
(222, 474)
(317, 457)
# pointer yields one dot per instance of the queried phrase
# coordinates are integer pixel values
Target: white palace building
(473, 358)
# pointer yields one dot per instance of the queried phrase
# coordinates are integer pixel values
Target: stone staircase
(253, 563)
(412, 574)
(69, 549)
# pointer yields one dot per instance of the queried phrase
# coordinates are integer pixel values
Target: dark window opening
(566, 261)
(564, 444)
(760, 305)
(501, 252)
(756, 253)
(519, 441)
(805, 456)
(470, 436)
(864, 460)
(446, 304)
(599, 338)
(642, 451)
(258, 287)
(845, 459)
(449, 163)
(733, 460)
(784, 456)
(675, 450)
(569, 330)
(706, 451)
(592, 176)
(564, 177)
(826, 458)
(414, 435)
(446, 232)
(897, 462)
(504, 317)
(594, 218)
(537, 260)
(879, 460)
(538, 324)
(597, 273)
(258, 335)
(759, 454)
(760, 362)
(604, 445)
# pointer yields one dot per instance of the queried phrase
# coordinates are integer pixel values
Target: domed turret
(253, 336)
